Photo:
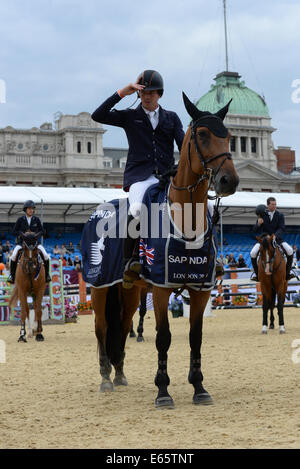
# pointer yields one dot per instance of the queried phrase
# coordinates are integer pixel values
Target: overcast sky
(69, 55)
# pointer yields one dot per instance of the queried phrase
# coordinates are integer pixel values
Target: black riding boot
(12, 275)
(289, 262)
(254, 276)
(131, 261)
(48, 278)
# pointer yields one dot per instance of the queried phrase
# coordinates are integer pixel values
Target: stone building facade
(72, 153)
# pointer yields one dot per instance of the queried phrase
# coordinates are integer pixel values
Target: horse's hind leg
(163, 341)
(98, 297)
(280, 303)
(38, 316)
(130, 302)
(24, 309)
(142, 313)
(198, 301)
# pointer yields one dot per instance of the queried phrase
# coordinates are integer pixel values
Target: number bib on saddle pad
(102, 246)
(169, 260)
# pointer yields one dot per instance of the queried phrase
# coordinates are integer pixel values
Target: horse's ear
(192, 110)
(222, 112)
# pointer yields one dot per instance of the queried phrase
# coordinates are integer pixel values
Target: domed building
(251, 131)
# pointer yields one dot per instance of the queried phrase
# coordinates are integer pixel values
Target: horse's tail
(12, 302)
(113, 317)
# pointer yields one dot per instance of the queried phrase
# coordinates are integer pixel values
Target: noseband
(209, 174)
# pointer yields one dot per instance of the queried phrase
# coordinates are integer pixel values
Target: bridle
(29, 262)
(270, 260)
(209, 173)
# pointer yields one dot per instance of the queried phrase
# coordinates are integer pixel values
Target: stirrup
(11, 279)
(133, 265)
(254, 277)
(291, 275)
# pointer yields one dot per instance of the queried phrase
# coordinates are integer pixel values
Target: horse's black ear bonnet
(214, 122)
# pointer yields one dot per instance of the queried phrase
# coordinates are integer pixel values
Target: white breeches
(288, 249)
(18, 247)
(136, 194)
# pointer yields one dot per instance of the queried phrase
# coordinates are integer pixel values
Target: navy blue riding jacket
(150, 151)
(276, 226)
(22, 226)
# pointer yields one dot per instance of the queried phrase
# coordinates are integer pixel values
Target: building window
(20, 146)
(232, 144)
(253, 145)
(89, 147)
(266, 190)
(106, 164)
(78, 147)
(46, 147)
(49, 183)
(243, 144)
(247, 189)
(284, 190)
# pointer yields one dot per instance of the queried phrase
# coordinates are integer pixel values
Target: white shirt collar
(153, 112)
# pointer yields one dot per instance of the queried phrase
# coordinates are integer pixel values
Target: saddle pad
(168, 259)
(102, 244)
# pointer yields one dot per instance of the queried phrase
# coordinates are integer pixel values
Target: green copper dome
(244, 100)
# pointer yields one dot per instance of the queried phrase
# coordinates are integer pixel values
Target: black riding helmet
(261, 210)
(152, 80)
(28, 204)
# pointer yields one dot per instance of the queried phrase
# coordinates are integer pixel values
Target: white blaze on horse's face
(267, 269)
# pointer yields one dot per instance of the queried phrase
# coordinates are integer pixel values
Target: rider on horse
(151, 131)
(27, 222)
(271, 221)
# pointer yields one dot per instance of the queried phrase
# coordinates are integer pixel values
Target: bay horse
(205, 160)
(272, 277)
(29, 280)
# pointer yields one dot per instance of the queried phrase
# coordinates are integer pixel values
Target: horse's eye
(202, 135)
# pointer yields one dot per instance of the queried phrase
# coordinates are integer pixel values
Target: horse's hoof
(106, 386)
(264, 330)
(22, 339)
(39, 338)
(140, 339)
(202, 399)
(132, 334)
(271, 326)
(282, 330)
(164, 402)
(120, 381)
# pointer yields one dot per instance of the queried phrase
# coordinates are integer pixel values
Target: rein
(271, 260)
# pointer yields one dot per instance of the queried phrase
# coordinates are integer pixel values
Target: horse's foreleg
(272, 306)
(198, 301)
(163, 341)
(266, 305)
(98, 297)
